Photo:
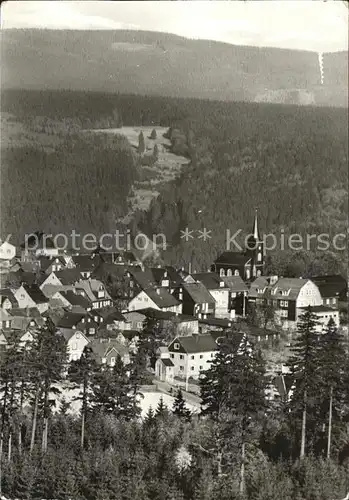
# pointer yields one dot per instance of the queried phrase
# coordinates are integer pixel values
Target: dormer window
(221, 272)
(221, 284)
(176, 346)
(236, 272)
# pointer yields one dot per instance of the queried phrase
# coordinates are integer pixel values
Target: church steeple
(255, 248)
(255, 231)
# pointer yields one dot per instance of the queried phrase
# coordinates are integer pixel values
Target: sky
(316, 25)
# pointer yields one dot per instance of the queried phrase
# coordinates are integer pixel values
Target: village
(103, 300)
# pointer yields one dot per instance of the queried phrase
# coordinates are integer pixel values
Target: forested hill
(154, 63)
(290, 162)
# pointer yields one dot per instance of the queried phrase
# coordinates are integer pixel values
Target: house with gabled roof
(156, 298)
(291, 297)
(86, 264)
(197, 300)
(7, 252)
(70, 299)
(192, 355)
(333, 288)
(219, 291)
(49, 264)
(238, 293)
(105, 351)
(31, 296)
(19, 338)
(164, 366)
(167, 277)
(76, 342)
(7, 299)
(94, 291)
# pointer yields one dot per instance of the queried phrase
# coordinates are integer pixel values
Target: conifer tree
(153, 134)
(82, 373)
(161, 409)
(47, 359)
(179, 407)
(304, 368)
(233, 394)
(156, 153)
(141, 143)
(112, 391)
(331, 360)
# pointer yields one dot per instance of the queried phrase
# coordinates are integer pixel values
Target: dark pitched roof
(291, 285)
(145, 279)
(68, 276)
(108, 314)
(75, 299)
(46, 262)
(235, 283)
(195, 343)
(6, 293)
(162, 297)
(86, 263)
(211, 280)
(70, 319)
(35, 294)
(330, 285)
(199, 293)
(233, 258)
(221, 322)
(167, 272)
(167, 361)
(102, 347)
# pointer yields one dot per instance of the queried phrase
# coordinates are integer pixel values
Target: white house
(31, 296)
(76, 342)
(192, 355)
(219, 291)
(7, 251)
(164, 366)
(291, 297)
(158, 298)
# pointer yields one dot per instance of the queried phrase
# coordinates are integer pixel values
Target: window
(259, 257)
(96, 318)
(192, 357)
(172, 356)
(104, 360)
(201, 356)
(200, 367)
(236, 272)
(192, 368)
(92, 331)
(176, 346)
(181, 368)
(7, 324)
(212, 354)
(229, 273)
(112, 361)
(78, 335)
(221, 272)
(181, 356)
(74, 346)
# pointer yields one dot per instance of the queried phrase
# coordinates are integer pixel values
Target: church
(247, 264)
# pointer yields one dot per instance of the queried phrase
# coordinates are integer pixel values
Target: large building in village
(247, 264)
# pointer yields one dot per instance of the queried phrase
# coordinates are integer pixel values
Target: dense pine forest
(241, 445)
(289, 161)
